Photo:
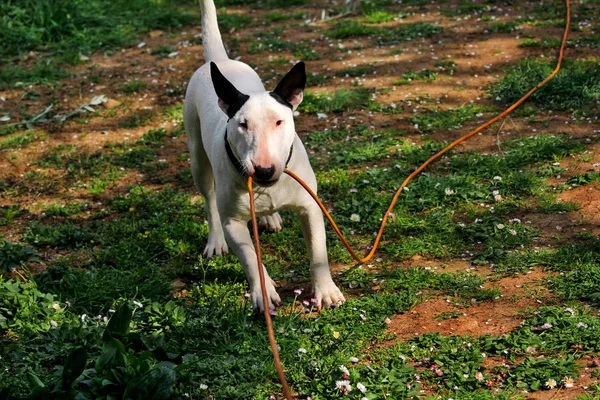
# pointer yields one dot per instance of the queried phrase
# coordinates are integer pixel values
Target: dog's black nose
(264, 174)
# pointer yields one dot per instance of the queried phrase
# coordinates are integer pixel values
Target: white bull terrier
(235, 129)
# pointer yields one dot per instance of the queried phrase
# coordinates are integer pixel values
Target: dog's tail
(211, 36)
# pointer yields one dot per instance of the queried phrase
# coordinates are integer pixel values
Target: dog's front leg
(313, 228)
(238, 237)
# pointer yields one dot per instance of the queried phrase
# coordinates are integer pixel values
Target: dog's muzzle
(262, 176)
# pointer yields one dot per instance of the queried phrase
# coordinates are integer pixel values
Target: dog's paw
(272, 223)
(216, 246)
(272, 296)
(327, 294)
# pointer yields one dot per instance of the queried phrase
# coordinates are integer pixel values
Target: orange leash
(265, 298)
(393, 203)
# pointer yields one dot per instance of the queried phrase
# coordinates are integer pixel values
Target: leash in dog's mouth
(239, 167)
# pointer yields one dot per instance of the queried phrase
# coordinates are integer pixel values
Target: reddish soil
(496, 317)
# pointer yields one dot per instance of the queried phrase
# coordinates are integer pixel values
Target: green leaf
(119, 322)
(34, 381)
(155, 384)
(113, 353)
(74, 366)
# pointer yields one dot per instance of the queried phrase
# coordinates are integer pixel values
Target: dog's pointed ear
(291, 86)
(230, 99)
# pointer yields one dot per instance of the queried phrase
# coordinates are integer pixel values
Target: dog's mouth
(265, 183)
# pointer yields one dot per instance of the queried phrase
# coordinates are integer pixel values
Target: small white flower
(479, 376)
(83, 317)
(500, 226)
(138, 304)
(353, 359)
(497, 178)
(582, 325)
(203, 386)
(551, 384)
(448, 191)
(344, 370)
(53, 323)
(512, 232)
(355, 218)
(343, 385)
(568, 382)
(402, 357)
(56, 306)
(302, 350)
(361, 387)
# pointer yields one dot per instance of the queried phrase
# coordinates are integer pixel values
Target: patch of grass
(8, 213)
(160, 52)
(12, 256)
(379, 17)
(69, 28)
(351, 28)
(275, 16)
(583, 179)
(504, 27)
(229, 21)
(64, 210)
(448, 119)
(21, 140)
(60, 236)
(576, 86)
(411, 31)
(544, 43)
(423, 75)
(446, 65)
(133, 87)
(359, 70)
(153, 138)
(138, 118)
(338, 101)
(466, 8)
(42, 73)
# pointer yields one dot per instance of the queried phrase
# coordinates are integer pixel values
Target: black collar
(238, 164)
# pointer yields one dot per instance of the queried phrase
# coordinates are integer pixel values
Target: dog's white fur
(265, 142)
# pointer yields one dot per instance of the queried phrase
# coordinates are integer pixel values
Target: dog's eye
(244, 125)
(279, 122)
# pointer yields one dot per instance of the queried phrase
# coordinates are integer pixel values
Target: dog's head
(261, 128)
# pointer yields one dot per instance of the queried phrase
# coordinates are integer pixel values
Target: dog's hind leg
(203, 178)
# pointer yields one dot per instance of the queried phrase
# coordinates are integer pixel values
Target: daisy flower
(344, 386)
(550, 383)
(568, 382)
(355, 218)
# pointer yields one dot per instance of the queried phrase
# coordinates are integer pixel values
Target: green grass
(575, 87)
(68, 28)
(20, 140)
(134, 86)
(160, 52)
(504, 27)
(448, 119)
(423, 75)
(228, 21)
(42, 73)
(351, 28)
(338, 101)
